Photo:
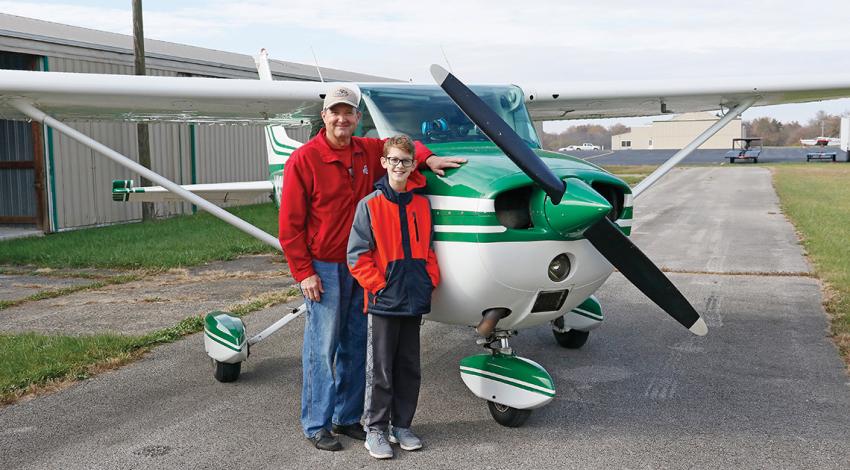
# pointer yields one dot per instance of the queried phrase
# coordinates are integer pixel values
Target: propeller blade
(637, 268)
(494, 127)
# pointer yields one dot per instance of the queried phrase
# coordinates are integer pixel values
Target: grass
(631, 174)
(31, 363)
(176, 242)
(816, 198)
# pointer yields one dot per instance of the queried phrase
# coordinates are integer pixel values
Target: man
(323, 181)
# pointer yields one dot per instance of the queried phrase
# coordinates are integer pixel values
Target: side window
(366, 126)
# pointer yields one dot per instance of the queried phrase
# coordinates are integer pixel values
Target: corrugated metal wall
(17, 196)
(83, 180)
(231, 153)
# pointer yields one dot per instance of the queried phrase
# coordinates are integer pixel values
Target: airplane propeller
(500, 133)
(603, 234)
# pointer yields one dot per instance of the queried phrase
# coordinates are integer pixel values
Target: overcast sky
(505, 41)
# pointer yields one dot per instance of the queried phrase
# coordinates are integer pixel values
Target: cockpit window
(427, 114)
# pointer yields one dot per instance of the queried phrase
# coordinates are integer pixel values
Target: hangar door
(21, 179)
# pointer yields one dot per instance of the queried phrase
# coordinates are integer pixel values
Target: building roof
(31, 36)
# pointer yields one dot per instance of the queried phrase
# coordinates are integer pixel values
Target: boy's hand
(438, 164)
(312, 288)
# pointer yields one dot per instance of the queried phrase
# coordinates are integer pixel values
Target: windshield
(426, 113)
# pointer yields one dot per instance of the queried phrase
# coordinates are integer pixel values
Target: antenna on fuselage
(315, 59)
(446, 58)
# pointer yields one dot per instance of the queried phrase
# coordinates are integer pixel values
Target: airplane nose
(580, 207)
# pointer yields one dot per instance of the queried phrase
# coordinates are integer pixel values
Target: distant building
(678, 132)
(52, 182)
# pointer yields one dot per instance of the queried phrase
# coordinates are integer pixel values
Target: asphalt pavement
(764, 389)
(700, 156)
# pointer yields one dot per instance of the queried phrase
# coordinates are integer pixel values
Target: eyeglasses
(405, 162)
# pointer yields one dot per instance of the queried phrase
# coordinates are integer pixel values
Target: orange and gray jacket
(390, 251)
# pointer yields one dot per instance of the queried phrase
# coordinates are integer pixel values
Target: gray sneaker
(405, 438)
(377, 445)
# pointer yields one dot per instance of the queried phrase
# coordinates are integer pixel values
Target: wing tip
(439, 73)
(699, 327)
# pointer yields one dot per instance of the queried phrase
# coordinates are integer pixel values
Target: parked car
(584, 146)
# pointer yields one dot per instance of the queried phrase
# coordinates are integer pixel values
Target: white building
(678, 132)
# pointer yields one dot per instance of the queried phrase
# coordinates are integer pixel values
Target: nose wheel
(508, 416)
(511, 385)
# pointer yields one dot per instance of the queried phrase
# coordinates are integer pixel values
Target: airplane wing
(81, 96)
(589, 100)
(192, 99)
(125, 190)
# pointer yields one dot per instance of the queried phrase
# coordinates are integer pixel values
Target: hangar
(677, 132)
(50, 182)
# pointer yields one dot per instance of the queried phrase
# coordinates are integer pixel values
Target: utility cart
(747, 148)
(821, 153)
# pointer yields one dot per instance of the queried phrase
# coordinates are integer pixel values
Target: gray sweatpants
(392, 371)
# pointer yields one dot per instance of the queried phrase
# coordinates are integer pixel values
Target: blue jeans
(334, 355)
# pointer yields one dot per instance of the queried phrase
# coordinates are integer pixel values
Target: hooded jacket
(390, 251)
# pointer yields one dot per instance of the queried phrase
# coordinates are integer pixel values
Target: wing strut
(681, 154)
(28, 109)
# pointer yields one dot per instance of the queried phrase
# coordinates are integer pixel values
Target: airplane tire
(225, 372)
(508, 416)
(572, 339)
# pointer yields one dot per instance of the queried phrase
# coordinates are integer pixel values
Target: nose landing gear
(511, 385)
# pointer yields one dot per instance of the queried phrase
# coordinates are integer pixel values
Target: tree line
(772, 132)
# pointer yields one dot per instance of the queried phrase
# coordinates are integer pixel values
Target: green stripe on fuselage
(449, 217)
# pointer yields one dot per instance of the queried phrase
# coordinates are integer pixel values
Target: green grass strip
(32, 359)
(32, 362)
(816, 198)
(171, 243)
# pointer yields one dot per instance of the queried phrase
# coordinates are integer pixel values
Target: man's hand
(439, 164)
(312, 288)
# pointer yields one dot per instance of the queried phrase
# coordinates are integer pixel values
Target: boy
(390, 254)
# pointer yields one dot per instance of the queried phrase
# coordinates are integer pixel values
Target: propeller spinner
(603, 234)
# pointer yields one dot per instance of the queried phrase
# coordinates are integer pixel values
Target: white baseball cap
(341, 94)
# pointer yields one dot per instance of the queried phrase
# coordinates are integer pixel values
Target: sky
(500, 41)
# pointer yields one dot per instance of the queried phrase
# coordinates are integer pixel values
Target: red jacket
(390, 251)
(319, 196)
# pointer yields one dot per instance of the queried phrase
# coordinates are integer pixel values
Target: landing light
(559, 268)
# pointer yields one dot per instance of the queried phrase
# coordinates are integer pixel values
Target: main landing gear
(572, 330)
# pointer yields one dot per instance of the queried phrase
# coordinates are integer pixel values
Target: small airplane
(821, 141)
(524, 236)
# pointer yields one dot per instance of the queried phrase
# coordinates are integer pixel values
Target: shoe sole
(377, 456)
(358, 438)
(403, 447)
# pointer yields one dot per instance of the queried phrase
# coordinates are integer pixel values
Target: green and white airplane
(524, 236)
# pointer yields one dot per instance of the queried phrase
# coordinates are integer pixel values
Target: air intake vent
(614, 196)
(512, 208)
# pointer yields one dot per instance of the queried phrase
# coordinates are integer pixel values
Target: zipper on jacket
(415, 227)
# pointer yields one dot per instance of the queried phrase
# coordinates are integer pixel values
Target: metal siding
(20, 182)
(16, 190)
(227, 153)
(301, 134)
(224, 153)
(15, 144)
(171, 158)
